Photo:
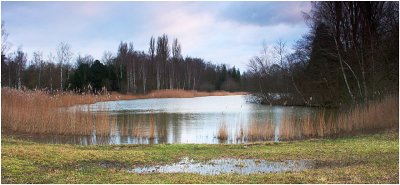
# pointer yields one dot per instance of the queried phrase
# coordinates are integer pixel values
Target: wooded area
(129, 71)
(351, 54)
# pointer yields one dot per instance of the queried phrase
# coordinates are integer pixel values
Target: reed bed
(260, 131)
(366, 118)
(37, 112)
(376, 115)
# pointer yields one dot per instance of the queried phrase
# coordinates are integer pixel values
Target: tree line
(351, 54)
(128, 71)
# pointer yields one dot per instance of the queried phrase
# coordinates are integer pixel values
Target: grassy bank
(358, 159)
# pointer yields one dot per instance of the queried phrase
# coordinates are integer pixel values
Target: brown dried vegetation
(372, 117)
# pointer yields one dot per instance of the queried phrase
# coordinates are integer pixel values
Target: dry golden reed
(37, 112)
(374, 116)
(222, 132)
(151, 129)
(240, 132)
(260, 131)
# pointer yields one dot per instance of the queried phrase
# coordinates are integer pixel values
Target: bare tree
(107, 58)
(291, 59)
(280, 52)
(143, 71)
(121, 61)
(5, 45)
(162, 55)
(20, 59)
(51, 59)
(39, 63)
(131, 69)
(64, 56)
(176, 56)
(152, 52)
(260, 66)
(87, 59)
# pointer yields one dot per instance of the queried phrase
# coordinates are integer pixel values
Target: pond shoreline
(165, 93)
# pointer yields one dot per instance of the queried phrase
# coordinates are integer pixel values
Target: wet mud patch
(227, 165)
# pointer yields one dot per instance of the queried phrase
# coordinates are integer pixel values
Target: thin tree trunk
(373, 66)
(51, 81)
(40, 71)
(19, 78)
(343, 72)
(355, 76)
(67, 73)
(120, 71)
(265, 97)
(158, 77)
(134, 82)
(361, 63)
(61, 81)
(9, 75)
(144, 79)
(298, 91)
(128, 79)
(194, 81)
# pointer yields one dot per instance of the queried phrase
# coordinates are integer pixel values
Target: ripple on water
(226, 165)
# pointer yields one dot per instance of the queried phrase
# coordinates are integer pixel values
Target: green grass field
(359, 159)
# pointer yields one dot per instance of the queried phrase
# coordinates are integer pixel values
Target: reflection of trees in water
(161, 127)
(173, 123)
(140, 127)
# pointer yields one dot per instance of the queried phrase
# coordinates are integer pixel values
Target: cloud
(205, 34)
(220, 32)
(266, 13)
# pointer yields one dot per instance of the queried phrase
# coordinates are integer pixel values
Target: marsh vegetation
(93, 119)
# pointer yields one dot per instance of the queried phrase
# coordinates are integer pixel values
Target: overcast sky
(220, 32)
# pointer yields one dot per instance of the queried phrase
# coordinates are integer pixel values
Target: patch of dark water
(227, 165)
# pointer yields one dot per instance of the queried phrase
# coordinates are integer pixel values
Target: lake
(183, 120)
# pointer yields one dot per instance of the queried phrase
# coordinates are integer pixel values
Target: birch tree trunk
(343, 72)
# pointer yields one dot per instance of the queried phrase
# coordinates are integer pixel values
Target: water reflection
(183, 120)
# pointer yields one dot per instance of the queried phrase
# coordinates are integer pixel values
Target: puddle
(227, 165)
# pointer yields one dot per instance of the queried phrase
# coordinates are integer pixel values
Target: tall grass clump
(151, 129)
(260, 131)
(222, 132)
(240, 135)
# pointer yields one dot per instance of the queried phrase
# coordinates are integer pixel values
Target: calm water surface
(228, 165)
(180, 120)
